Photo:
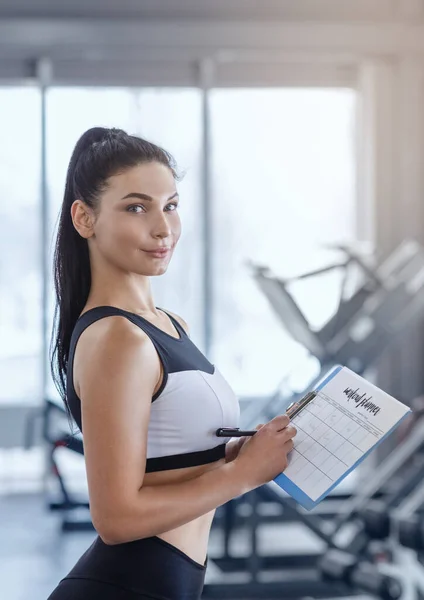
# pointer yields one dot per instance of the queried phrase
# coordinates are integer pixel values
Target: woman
(147, 401)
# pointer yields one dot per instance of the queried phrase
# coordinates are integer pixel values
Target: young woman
(147, 401)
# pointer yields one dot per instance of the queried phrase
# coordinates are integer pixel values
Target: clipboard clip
(296, 407)
(292, 410)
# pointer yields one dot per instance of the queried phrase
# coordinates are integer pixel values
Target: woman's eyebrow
(145, 196)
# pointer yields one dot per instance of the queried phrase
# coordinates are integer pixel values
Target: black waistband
(189, 459)
(149, 567)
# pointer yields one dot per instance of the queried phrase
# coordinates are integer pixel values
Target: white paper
(346, 419)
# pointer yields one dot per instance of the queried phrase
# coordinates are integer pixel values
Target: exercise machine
(385, 305)
(73, 508)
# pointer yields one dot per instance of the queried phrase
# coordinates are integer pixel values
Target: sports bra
(194, 399)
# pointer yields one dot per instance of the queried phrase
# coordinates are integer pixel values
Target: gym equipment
(293, 319)
(74, 510)
(408, 538)
(341, 566)
(386, 526)
(408, 522)
(381, 309)
(411, 533)
(384, 307)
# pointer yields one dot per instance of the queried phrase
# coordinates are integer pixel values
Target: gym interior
(298, 126)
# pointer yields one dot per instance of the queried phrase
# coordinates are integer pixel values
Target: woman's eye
(134, 206)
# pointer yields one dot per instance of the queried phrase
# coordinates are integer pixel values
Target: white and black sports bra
(193, 401)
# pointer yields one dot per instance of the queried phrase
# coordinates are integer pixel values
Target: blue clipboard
(299, 495)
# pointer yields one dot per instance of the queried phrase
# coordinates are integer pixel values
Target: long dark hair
(98, 154)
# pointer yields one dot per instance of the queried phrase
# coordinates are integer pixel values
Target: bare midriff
(191, 538)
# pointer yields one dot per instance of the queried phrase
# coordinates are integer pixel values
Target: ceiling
(269, 10)
(156, 41)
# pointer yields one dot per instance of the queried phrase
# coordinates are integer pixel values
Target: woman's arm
(117, 369)
(159, 508)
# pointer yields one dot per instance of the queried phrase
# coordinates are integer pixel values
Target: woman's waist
(191, 538)
(150, 566)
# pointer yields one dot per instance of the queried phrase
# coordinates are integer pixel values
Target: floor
(34, 554)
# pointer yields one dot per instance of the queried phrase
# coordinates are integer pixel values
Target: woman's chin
(160, 271)
(153, 270)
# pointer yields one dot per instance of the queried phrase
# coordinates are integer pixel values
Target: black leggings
(149, 568)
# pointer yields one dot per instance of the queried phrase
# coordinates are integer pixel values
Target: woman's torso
(173, 346)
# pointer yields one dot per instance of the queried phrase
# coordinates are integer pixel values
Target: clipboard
(349, 411)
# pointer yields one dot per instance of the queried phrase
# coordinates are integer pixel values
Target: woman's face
(138, 214)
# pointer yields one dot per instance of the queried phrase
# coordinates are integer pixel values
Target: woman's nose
(161, 226)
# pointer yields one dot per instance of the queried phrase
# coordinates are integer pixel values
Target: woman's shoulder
(180, 320)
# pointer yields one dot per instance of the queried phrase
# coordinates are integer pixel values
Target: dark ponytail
(98, 154)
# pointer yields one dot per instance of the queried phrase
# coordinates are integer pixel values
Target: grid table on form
(330, 440)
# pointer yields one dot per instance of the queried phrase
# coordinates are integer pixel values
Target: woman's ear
(82, 218)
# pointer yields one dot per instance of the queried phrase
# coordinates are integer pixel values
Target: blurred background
(299, 127)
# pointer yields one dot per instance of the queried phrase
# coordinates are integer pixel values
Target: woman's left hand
(233, 448)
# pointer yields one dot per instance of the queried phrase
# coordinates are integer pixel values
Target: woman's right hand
(264, 455)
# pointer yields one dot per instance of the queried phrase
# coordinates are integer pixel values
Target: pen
(294, 409)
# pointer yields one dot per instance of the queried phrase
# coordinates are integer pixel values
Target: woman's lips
(158, 253)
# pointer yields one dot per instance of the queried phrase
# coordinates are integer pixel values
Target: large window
(283, 169)
(169, 117)
(283, 184)
(20, 249)
(283, 187)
